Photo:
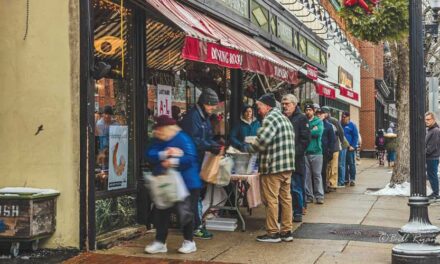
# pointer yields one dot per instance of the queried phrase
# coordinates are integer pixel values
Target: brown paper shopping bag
(210, 167)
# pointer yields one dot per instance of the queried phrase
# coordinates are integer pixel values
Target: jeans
(341, 167)
(432, 171)
(350, 168)
(314, 187)
(297, 185)
(391, 155)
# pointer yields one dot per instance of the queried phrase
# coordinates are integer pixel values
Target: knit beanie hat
(108, 110)
(164, 120)
(208, 97)
(268, 99)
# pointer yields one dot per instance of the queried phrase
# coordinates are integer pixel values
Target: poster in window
(118, 157)
(164, 100)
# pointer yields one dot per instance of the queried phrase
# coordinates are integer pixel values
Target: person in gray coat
(432, 141)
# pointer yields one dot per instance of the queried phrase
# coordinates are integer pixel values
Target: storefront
(149, 59)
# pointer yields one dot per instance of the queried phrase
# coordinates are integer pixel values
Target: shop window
(313, 52)
(285, 33)
(295, 40)
(323, 59)
(240, 7)
(260, 16)
(302, 44)
(273, 25)
(113, 45)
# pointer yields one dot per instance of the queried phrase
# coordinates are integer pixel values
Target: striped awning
(210, 41)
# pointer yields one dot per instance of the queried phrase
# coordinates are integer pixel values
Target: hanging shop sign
(312, 72)
(325, 91)
(164, 100)
(345, 78)
(223, 56)
(118, 157)
(348, 93)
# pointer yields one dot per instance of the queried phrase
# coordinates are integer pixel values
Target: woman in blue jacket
(248, 126)
(172, 148)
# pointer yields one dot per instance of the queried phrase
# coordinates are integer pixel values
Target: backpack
(381, 142)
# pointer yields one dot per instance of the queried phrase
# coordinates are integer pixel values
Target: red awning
(210, 41)
(349, 93)
(323, 88)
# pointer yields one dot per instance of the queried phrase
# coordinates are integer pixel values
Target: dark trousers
(432, 170)
(163, 218)
(298, 184)
(325, 161)
(350, 167)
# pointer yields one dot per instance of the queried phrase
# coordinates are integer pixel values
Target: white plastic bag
(166, 189)
(225, 170)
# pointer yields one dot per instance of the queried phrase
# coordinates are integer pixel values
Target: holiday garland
(375, 21)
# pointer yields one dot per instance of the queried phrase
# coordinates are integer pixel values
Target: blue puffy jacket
(197, 125)
(188, 164)
(243, 130)
(351, 134)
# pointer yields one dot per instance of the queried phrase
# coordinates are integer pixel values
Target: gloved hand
(215, 149)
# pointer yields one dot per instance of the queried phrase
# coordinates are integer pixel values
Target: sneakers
(320, 200)
(156, 247)
(352, 183)
(275, 238)
(187, 247)
(202, 233)
(287, 237)
(433, 196)
(297, 218)
(309, 200)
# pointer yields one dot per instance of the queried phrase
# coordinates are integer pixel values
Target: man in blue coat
(197, 125)
(352, 135)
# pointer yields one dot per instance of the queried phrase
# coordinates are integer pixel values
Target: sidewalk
(346, 206)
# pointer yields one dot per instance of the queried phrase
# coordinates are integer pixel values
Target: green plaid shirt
(276, 144)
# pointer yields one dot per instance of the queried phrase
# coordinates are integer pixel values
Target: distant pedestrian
(432, 142)
(380, 146)
(302, 139)
(314, 186)
(352, 136)
(391, 148)
(275, 142)
(172, 148)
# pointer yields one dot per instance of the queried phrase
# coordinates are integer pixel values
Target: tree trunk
(401, 169)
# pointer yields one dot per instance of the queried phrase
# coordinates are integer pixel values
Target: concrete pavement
(346, 206)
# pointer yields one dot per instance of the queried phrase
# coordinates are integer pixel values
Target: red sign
(325, 91)
(312, 72)
(223, 56)
(348, 93)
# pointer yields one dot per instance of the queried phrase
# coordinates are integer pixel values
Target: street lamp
(418, 234)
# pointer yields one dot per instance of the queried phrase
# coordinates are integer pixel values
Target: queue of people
(299, 157)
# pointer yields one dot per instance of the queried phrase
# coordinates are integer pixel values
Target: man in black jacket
(432, 141)
(328, 144)
(302, 138)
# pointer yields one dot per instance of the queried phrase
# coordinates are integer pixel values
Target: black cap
(346, 114)
(311, 106)
(268, 99)
(208, 97)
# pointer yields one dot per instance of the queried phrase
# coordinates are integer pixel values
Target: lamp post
(418, 234)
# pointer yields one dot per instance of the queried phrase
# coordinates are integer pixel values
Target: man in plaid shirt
(276, 144)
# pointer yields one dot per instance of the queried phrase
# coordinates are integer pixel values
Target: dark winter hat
(245, 108)
(346, 114)
(268, 99)
(325, 109)
(164, 120)
(208, 97)
(309, 106)
(108, 110)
